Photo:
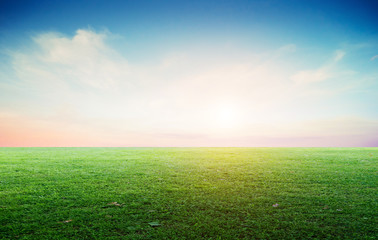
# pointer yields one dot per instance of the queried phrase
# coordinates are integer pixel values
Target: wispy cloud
(310, 76)
(323, 73)
(374, 57)
(339, 54)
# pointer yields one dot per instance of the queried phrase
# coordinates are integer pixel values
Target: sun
(227, 116)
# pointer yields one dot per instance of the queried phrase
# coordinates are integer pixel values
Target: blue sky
(189, 73)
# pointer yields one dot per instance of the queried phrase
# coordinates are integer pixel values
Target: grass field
(188, 193)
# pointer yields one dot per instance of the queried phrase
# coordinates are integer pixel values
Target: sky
(258, 73)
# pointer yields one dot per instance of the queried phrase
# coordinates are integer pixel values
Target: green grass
(189, 193)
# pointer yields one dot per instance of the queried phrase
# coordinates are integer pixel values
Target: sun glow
(227, 116)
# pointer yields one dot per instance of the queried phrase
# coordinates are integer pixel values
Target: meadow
(188, 193)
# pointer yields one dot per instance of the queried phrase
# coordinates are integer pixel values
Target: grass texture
(188, 193)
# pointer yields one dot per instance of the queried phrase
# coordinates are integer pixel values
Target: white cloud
(374, 57)
(83, 60)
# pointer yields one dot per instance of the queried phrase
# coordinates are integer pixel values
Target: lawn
(188, 193)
